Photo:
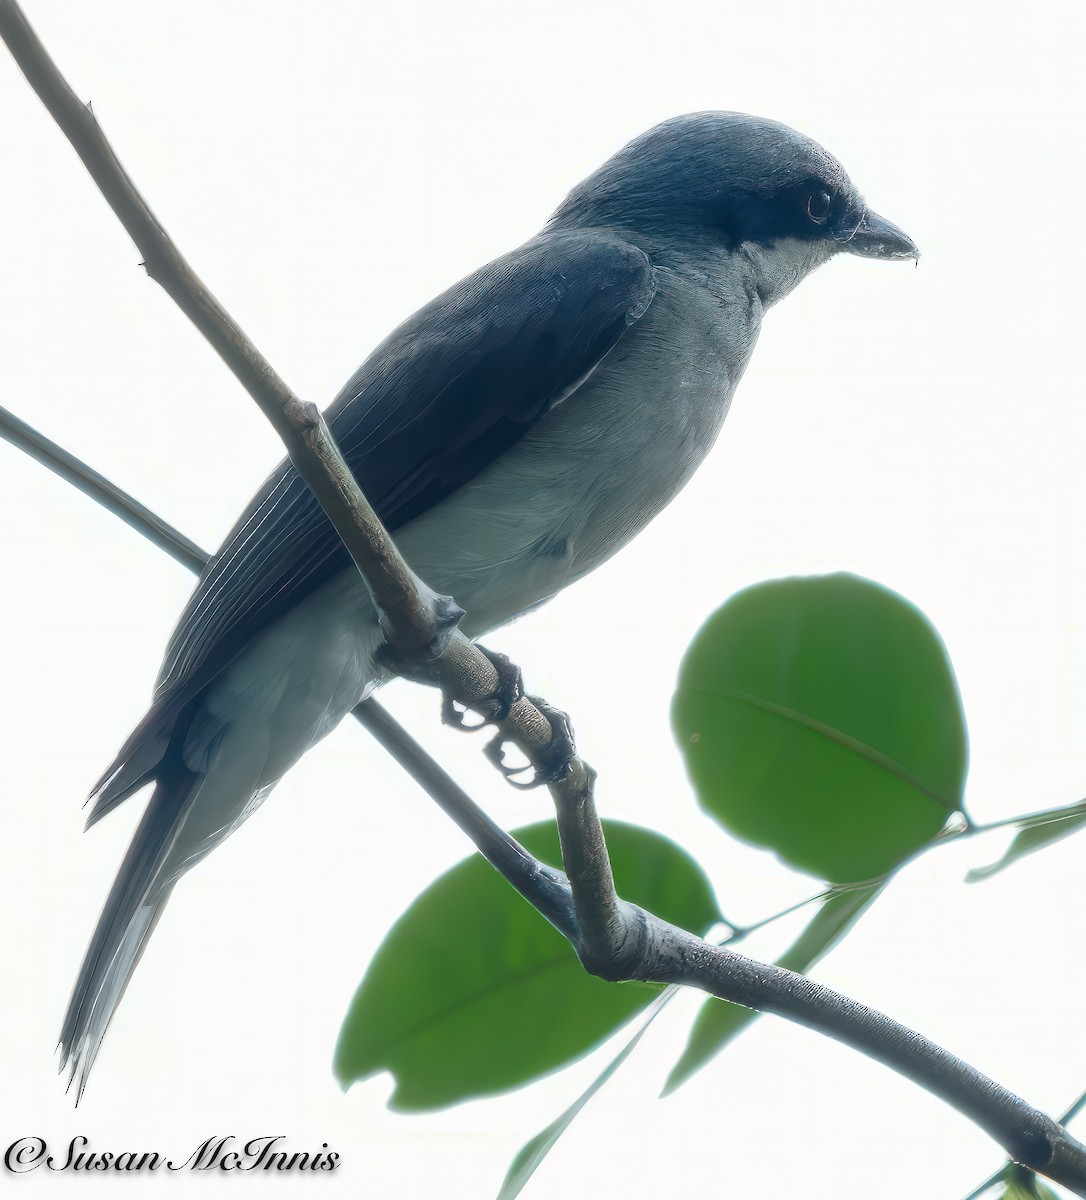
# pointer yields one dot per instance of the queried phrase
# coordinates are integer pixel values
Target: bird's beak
(876, 237)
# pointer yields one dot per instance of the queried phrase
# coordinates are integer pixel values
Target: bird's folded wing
(440, 399)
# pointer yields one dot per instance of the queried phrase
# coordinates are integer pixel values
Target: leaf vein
(834, 735)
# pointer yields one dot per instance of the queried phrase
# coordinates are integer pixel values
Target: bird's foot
(492, 708)
(551, 764)
(417, 670)
(443, 617)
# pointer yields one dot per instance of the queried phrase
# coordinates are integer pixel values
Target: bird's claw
(492, 708)
(445, 615)
(551, 764)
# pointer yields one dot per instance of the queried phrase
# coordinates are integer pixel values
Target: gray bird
(513, 434)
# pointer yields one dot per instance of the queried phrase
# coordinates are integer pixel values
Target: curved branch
(614, 939)
(622, 941)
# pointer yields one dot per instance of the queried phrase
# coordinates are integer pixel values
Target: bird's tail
(131, 912)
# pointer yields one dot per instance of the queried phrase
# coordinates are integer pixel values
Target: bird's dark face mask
(785, 236)
(821, 209)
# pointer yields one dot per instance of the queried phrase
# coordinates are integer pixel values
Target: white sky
(326, 173)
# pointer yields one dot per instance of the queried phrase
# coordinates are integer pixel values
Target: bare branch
(98, 487)
(613, 938)
(415, 620)
(621, 941)
(300, 425)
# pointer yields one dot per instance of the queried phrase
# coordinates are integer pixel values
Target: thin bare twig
(99, 488)
(614, 939)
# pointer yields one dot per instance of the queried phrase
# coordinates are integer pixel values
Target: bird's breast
(596, 470)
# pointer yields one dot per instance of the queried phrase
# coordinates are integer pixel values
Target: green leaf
(472, 992)
(1035, 832)
(529, 1157)
(719, 1021)
(1024, 1185)
(820, 717)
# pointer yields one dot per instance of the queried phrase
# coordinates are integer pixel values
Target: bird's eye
(818, 206)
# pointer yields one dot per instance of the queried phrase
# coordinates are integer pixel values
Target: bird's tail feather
(131, 912)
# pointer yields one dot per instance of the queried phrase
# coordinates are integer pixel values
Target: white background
(327, 169)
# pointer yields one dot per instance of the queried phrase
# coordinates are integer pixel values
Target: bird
(512, 434)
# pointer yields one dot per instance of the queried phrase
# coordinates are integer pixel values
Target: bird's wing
(440, 399)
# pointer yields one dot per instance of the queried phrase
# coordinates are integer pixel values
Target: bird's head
(747, 184)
